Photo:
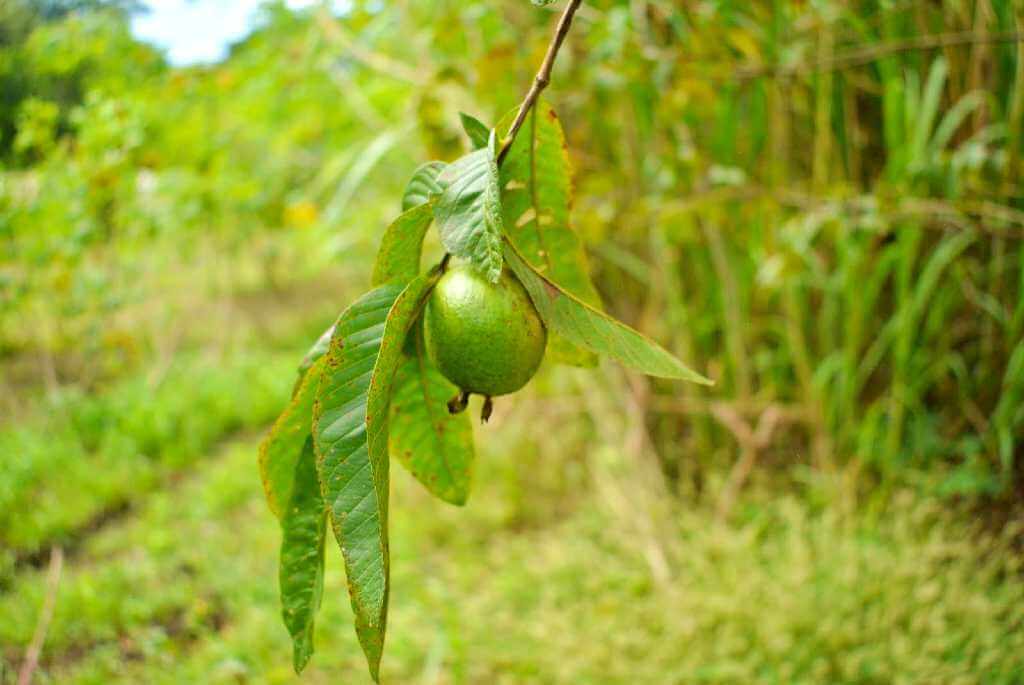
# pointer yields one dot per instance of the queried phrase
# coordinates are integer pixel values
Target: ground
(568, 582)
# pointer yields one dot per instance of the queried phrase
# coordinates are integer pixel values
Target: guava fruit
(486, 338)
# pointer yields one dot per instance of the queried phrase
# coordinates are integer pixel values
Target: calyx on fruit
(486, 338)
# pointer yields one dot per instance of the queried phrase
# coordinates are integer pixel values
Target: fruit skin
(486, 338)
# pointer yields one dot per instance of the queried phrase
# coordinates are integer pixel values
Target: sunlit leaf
(350, 419)
(477, 131)
(468, 211)
(594, 330)
(422, 186)
(536, 198)
(398, 258)
(303, 529)
(280, 450)
(433, 444)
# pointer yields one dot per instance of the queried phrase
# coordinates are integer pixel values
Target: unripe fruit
(486, 338)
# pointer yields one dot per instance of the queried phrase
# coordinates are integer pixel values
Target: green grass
(184, 590)
(83, 454)
(87, 456)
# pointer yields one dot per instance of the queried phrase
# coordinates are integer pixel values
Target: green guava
(486, 338)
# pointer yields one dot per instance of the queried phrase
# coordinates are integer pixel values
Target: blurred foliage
(819, 204)
(909, 594)
(810, 200)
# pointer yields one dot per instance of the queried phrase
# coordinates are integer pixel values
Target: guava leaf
(433, 444)
(318, 350)
(398, 258)
(350, 434)
(303, 530)
(536, 199)
(422, 187)
(594, 330)
(280, 450)
(477, 131)
(468, 211)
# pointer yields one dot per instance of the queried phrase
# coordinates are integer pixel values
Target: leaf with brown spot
(350, 434)
(536, 197)
(398, 258)
(280, 450)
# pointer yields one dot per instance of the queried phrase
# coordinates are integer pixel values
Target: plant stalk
(543, 78)
(540, 82)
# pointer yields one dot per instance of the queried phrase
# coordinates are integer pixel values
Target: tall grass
(829, 196)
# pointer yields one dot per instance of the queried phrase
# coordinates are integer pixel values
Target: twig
(540, 82)
(752, 442)
(981, 215)
(35, 648)
(751, 408)
(860, 56)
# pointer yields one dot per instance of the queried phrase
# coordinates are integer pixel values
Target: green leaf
(433, 444)
(477, 131)
(318, 350)
(280, 450)
(536, 199)
(423, 185)
(468, 212)
(398, 258)
(303, 529)
(594, 330)
(350, 419)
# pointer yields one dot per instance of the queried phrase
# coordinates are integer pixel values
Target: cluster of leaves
(367, 391)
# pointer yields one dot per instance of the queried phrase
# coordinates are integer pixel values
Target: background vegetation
(818, 204)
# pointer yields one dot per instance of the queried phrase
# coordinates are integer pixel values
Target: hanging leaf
(422, 187)
(594, 330)
(398, 258)
(477, 131)
(468, 211)
(318, 350)
(536, 199)
(433, 444)
(350, 436)
(303, 529)
(280, 450)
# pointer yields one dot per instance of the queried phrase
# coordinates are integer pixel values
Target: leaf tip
(689, 374)
(300, 659)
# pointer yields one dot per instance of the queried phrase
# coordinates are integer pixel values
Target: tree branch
(540, 82)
